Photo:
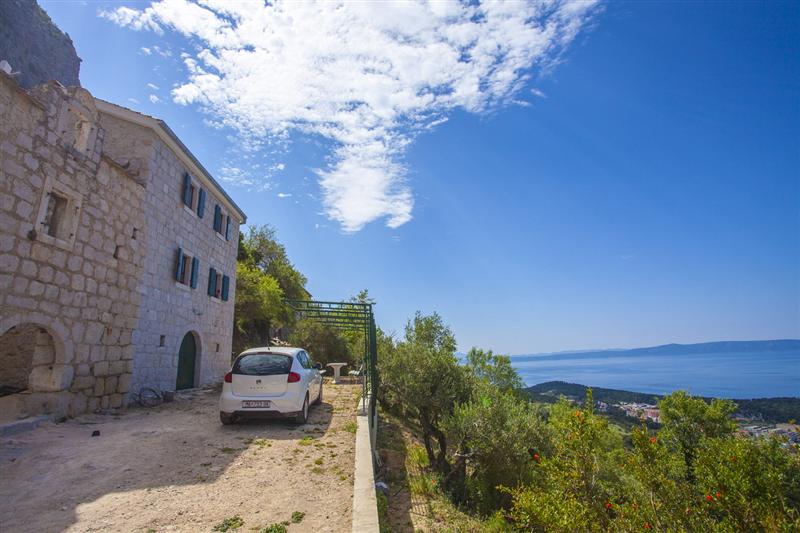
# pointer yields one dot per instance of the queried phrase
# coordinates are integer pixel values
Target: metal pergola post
(349, 316)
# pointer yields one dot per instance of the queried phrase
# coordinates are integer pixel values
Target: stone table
(337, 367)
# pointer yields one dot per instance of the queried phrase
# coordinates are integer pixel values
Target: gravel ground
(175, 468)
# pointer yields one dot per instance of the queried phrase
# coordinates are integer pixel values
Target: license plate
(250, 404)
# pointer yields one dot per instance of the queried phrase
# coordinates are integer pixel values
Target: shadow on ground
(175, 450)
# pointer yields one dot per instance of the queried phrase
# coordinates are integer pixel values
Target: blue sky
(635, 183)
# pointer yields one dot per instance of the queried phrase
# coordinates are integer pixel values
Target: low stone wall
(365, 501)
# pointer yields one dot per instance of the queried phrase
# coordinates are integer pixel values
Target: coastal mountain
(778, 345)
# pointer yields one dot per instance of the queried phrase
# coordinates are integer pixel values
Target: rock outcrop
(35, 47)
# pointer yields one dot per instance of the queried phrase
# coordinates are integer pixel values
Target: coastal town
(748, 426)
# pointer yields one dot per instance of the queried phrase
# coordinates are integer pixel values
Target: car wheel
(319, 398)
(302, 416)
(226, 419)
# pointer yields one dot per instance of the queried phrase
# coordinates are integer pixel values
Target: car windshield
(263, 364)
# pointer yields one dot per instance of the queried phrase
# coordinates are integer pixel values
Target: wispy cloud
(284, 195)
(538, 92)
(154, 99)
(153, 86)
(367, 76)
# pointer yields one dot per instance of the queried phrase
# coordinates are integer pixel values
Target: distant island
(771, 410)
(723, 369)
(768, 346)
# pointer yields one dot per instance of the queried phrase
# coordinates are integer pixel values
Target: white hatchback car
(270, 382)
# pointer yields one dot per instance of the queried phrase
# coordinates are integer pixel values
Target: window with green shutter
(195, 271)
(212, 282)
(179, 265)
(225, 285)
(217, 218)
(201, 203)
(185, 268)
(188, 191)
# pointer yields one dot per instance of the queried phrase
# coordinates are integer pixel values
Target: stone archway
(19, 346)
(30, 368)
(28, 361)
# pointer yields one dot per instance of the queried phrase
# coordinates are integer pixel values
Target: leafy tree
(687, 420)
(496, 369)
(323, 343)
(748, 484)
(495, 437)
(575, 480)
(259, 302)
(422, 380)
(264, 277)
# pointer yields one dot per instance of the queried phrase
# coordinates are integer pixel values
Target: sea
(741, 375)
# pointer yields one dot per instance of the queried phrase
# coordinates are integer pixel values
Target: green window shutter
(195, 270)
(217, 219)
(201, 203)
(228, 229)
(212, 282)
(179, 265)
(187, 189)
(225, 283)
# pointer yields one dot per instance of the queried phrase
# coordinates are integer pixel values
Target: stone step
(25, 424)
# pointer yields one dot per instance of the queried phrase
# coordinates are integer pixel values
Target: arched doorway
(23, 348)
(187, 362)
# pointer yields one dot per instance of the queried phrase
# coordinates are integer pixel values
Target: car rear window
(263, 364)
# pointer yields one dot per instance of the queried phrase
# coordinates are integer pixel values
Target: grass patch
(318, 461)
(306, 441)
(412, 475)
(298, 516)
(317, 470)
(278, 527)
(229, 524)
(350, 426)
(262, 442)
(383, 512)
(418, 456)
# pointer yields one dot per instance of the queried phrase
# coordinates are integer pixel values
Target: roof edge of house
(171, 139)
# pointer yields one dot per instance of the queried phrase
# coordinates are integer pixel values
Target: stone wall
(34, 46)
(171, 309)
(79, 283)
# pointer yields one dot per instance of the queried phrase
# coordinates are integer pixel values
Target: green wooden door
(186, 357)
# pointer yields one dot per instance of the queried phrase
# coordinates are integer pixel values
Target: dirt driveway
(175, 468)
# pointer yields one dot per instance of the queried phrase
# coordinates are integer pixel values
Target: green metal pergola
(348, 316)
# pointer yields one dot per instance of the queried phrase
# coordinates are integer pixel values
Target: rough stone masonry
(117, 250)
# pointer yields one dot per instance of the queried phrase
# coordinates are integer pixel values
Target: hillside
(775, 410)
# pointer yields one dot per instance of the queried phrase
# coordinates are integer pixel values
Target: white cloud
(162, 51)
(153, 86)
(146, 51)
(133, 100)
(366, 76)
(284, 195)
(538, 92)
(154, 99)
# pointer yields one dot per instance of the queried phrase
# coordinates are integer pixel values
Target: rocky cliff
(34, 46)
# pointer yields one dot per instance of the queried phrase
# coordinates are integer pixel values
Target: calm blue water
(721, 375)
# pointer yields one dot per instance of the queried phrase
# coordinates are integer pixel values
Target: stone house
(117, 255)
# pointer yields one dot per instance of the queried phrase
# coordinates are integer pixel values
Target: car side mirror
(318, 366)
